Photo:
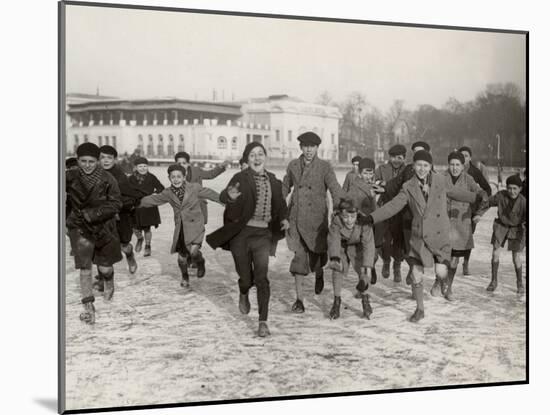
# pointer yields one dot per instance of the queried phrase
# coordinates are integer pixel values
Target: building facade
(160, 127)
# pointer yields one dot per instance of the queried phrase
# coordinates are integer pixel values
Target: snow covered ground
(159, 343)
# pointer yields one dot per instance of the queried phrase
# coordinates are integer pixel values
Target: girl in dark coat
(254, 221)
(147, 184)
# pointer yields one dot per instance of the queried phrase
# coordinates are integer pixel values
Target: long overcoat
(93, 211)
(237, 213)
(461, 213)
(150, 184)
(308, 210)
(430, 223)
(187, 212)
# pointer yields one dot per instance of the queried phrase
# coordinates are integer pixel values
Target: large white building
(160, 127)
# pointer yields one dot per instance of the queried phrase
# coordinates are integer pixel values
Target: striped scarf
(90, 180)
(179, 192)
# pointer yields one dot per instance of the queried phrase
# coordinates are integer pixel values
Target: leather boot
(147, 250)
(335, 310)
(450, 278)
(88, 315)
(397, 271)
(419, 295)
(373, 276)
(298, 307)
(494, 277)
(386, 269)
(132, 264)
(244, 304)
(139, 244)
(367, 309)
(519, 281)
(201, 268)
(182, 263)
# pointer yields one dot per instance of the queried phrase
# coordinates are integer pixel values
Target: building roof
(166, 103)
(91, 97)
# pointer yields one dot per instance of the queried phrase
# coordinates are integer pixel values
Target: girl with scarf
(185, 199)
(147, 184)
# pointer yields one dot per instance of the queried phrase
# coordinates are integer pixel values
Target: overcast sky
(141, 54)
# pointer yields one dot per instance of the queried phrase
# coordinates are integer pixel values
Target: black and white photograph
(259, 206)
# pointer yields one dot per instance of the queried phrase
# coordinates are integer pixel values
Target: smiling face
(87, 163)
(176, 178)
(348, 219)
(142, 168)
(182, 161)
(309, 151)
(422, 168)
(513, 190)
(367, 175)
(256, 159)
(397, 161)
(455, 167)
(107, 161)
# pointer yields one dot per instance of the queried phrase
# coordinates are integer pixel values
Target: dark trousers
(250, 250)
(393, 245)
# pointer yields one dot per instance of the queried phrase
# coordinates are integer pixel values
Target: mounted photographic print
(259, 207)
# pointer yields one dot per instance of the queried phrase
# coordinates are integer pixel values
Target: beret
(366, 163)
(515, 179)
(423, 155)
(87, 149)
(397, 150)
(456, 155)
(108, 150)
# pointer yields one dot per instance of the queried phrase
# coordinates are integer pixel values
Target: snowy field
(158, 343)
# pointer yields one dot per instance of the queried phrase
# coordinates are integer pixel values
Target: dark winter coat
(129, 195)
(187, 213)
(430, 224)
(238, 212)
(196, 174)
(478, 177)
(146, 216)
(308, 210)
(461, 213)
(350, 177)
(93, 212)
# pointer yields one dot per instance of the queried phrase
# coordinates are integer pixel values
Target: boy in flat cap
(309, 178)
(508, 227)
(95, 200)
(351, 175)
(146, 183)
(185, 200)
(129, 196)
(350, 243)
(426, 195)
(479, 178)
(393, 245)
(194, 174)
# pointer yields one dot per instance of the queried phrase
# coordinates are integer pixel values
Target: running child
(350, 243)
(147, 184)
(185, 199)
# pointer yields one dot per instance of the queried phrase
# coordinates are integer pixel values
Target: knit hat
(249, 147)
(422, 144)
(397, 150)
(87, 149)
(108, 150)
(71, 162)
(455, 155)
(466, 148)
(515, 179)
(140, 160)
(356, 159)
(309, 139)
(174, 167)
(366, 163)
(182, 154)
(423, 155)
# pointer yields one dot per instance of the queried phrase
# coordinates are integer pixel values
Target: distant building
(160, 127)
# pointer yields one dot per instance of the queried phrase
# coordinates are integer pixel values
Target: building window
(332, 139)
(181, 142)
(277, 135)
(160, 146)
(170, 145)
(222, 143)
(113, 141)
(289, 136)
(99, 141)
(106, 140)
(234, 142)
(150, 148)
